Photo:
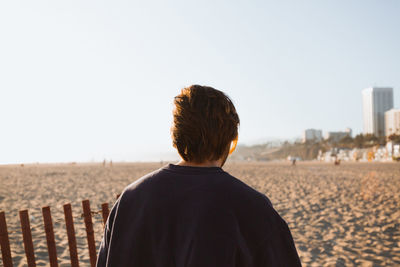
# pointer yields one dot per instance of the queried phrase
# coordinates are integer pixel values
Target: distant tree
(370, 140)
(382, 140)
(359, 141)
(395, 138)
(330, 141)
(286, 143)
(347, 142)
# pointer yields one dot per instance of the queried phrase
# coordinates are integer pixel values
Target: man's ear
(233, 146)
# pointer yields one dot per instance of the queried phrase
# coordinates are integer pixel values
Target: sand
(339, 215)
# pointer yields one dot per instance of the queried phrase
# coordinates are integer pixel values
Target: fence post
(27, 237)
(69, 224)
(105, 212)
(51, 244)
(4, 242)
(89, 232)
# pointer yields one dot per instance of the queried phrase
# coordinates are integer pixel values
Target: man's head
(205, 124)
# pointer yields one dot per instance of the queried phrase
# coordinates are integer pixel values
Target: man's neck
(216, 163)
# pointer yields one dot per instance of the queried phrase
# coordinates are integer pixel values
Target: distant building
(312, 135)
(337, 136)
(349, 132)
(376, 101)
(392, 122)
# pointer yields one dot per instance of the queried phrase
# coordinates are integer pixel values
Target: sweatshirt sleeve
(105, 242)
(278, 249)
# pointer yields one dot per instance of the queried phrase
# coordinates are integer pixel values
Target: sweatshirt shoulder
(242, 190)
(141, 183)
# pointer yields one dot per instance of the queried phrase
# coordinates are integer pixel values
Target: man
(194, 213)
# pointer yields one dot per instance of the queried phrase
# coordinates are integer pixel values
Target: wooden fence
(48, 228)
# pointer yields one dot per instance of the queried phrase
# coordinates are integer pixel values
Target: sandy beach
(345, 215)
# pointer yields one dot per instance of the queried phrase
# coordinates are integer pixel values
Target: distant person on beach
(193, 213)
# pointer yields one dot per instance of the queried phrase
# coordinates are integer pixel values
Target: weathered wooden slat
(27, 237)
(105, 212)
(69, 224)
(5, 242)
(89, 232)
(51, 244)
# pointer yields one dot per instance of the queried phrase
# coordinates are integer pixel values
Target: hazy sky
(87, 80)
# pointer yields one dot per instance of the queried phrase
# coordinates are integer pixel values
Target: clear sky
(87, 80)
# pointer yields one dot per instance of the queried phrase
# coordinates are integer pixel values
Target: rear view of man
(194, 213)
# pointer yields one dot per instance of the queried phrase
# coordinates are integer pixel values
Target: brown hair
(205, 123)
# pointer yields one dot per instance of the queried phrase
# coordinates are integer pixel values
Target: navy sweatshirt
(194, 217)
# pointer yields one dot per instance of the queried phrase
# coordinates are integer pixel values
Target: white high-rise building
(392, 122)
(376, 101)
(312, 135)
